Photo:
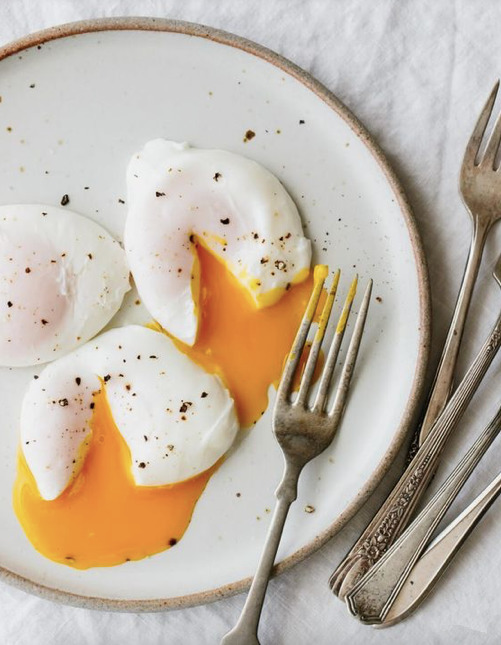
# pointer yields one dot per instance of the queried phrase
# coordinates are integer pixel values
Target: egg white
(177, 419)
(232, 205)
(62, 278)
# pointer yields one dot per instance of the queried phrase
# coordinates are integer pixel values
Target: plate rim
(412, 406)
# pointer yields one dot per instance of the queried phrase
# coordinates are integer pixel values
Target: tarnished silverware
(371, 598)
(302, 432)
(480, 186)
(396, 510)
(439, 554)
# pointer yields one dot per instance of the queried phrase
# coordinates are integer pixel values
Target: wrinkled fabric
(417, 74)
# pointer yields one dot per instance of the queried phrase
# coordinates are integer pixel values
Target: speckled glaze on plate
(77, 100)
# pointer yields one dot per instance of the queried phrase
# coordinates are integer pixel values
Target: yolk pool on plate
(244, 345)
(103, 518)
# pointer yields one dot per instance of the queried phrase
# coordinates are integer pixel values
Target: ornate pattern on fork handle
(374, 547)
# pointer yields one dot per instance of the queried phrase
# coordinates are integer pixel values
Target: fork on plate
(303, 432)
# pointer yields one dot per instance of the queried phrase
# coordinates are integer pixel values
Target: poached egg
(62, 279)
(118, 440)
(176, 418)
(179, 196)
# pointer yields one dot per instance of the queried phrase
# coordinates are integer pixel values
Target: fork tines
(472, 156)
(293, 359)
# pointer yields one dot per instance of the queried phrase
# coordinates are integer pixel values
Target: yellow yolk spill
(244, 345)
(103, 518)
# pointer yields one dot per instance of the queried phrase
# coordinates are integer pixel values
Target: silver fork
(480, 189)
(302, 432)
(480, 186)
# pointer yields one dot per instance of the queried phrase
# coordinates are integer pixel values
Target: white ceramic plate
(76, 102)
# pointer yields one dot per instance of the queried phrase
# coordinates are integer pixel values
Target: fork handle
(394, 515)
(371, 598)
(245, 631)
(443, 382)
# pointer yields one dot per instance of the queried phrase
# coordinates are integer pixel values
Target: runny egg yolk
(244, 345)
(103, 518)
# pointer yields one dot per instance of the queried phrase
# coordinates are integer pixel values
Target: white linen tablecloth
(416, 73)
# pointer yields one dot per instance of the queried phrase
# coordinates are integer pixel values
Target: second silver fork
(480, 188)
